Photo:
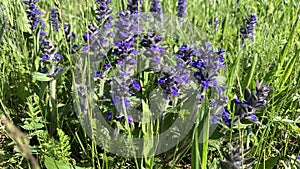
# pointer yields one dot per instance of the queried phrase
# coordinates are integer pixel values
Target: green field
(48, 115)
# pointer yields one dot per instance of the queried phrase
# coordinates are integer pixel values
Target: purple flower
(253, 101)
(129, 119)
(216, 23)
(199, 64)
(49, 54)
(68, 33)
(156, 6)
(253, 117)
(97, 74)
(181, 8)
(214, 119)
(58, 56)
(106, 66)
(108, 115)
(44, 69)
(134, 6)
(247, 32)
(45, 58)
(173, 79)
(226, 116)
(201, 97)
(43, 34)
(2, 15)
(187, 53)
(54, 19)
(34, 14)
(205, 83)
(174, 91)
(87, 36)
(103, 10)
(127, 103)
(153, 51)
(58, 69)
(243, 103)
(85, 48)
(136, 85)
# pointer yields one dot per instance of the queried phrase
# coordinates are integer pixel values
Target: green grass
(272, 57)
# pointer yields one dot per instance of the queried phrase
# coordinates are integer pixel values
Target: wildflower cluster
(50, 58)
(202, 67)
(247, 32)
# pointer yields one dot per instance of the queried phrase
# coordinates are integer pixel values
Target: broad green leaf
(41, 77)
(269, 164)
(51, 163)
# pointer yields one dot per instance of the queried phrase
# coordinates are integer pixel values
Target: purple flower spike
(34, 16)
(135, 6)
(156, 6)
(103, 13)
(54, 19)
(253, 101)
(181, 8)
(247, 32)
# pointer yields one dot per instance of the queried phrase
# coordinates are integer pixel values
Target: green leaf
(216, 135)
(51, 163)
(32, 126)
(41, 77)
(269, 164)
(2, 31)
(289, 68)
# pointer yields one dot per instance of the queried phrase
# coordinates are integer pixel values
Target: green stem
(205, 140)
(53, 104)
